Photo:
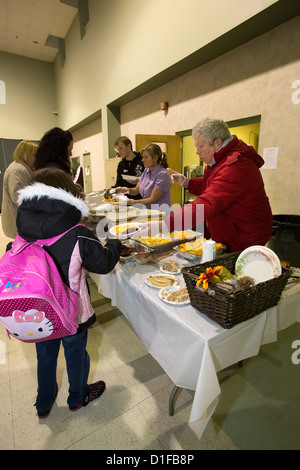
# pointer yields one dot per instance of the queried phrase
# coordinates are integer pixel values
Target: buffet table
(189, 346)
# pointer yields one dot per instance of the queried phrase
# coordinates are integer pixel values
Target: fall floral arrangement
(221, 279)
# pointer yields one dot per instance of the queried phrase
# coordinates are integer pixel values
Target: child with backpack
(50, 206)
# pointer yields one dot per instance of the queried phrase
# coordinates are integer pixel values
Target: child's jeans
(78, 366)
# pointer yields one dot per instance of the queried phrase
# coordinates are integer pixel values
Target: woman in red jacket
(237, 211)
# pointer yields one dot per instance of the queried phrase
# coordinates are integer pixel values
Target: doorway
(87, 173)
(246, 129)
(170, 144)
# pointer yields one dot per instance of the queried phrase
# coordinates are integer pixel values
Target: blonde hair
(25, 150)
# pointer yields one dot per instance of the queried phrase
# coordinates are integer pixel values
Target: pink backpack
(35, 304)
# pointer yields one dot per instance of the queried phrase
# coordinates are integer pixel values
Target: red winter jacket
(236, 208)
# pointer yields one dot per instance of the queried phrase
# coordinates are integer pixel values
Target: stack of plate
(258, 262)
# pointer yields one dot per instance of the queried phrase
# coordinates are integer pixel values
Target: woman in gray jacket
(16, 176)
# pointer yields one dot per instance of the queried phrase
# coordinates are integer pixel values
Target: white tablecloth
(189, 346)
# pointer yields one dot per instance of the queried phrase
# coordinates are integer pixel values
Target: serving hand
(121, 190)
(178, 178)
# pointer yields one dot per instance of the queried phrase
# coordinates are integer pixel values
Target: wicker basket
(229, 309)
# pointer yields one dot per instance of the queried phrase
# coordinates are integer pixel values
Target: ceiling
(26, 24)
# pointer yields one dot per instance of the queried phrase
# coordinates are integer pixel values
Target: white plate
(170, 272)
(258, 262)
(163, 295)
(160, 275)
(119, 231)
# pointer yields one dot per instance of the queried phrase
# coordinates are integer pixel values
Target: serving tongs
(109, 192)
(167, 247)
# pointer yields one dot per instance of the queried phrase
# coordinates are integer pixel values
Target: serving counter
(189, 346)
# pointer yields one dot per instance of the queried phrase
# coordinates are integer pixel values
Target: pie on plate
(175, 295)
(161, 280)
(170, 266)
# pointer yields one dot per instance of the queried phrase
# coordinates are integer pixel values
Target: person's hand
(130, 202)
(151, 229)
(121, 190)
(134, 180)
(178, 178)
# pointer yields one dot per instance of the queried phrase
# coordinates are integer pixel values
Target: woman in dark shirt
(55, 149)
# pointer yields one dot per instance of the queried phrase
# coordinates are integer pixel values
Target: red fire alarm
(164, 106)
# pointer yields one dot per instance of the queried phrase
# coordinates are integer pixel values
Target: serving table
(189, 346)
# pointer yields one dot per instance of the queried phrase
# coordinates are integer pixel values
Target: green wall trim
(244, 121)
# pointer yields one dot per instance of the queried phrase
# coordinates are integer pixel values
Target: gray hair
(211, 129)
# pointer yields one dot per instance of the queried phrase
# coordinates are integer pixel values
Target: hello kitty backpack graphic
(35, 304)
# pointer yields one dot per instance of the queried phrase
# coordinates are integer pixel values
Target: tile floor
(258, 407)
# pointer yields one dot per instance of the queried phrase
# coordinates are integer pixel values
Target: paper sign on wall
(270, 156)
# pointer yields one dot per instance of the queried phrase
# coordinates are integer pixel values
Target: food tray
(232, 308)
(187, 255)
(138, 246)
(158, 237)
(193, 257)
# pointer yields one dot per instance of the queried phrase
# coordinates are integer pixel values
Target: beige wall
(129, 41)
(254, 79)
(30, 97)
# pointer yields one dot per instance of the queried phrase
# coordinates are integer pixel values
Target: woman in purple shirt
(155, 183)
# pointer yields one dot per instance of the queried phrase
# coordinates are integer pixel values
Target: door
(192, 166)
(75, 163)
(87, 173)
(170, 144)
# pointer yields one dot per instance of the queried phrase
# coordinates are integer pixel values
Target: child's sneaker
(94, 391)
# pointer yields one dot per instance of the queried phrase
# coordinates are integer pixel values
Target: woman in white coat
(16, 177)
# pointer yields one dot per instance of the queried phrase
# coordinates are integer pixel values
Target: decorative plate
(166, 292)
(258, 262)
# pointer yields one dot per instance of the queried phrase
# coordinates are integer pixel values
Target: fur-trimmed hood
(45, 211)
(39, 190)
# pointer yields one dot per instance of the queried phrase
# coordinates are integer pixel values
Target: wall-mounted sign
(270, 156)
